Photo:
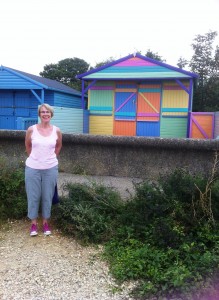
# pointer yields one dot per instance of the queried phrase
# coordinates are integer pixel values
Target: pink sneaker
(33, 230)
(46, 229)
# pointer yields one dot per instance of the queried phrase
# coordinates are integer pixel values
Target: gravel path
(52, 268)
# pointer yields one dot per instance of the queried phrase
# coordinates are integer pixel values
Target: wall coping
(131, 141)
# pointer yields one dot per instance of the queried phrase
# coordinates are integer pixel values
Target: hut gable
(11, 80)
(23, 80)
(136, 67)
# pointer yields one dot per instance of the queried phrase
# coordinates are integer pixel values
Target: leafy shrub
(163, 237)
(13, 203)
(89, 212)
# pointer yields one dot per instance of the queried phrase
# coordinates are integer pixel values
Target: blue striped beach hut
(21, 93)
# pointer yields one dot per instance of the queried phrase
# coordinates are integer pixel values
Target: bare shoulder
(29, 130)
(58, 130)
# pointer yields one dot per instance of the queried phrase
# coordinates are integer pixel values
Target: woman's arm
(28, 143)
(58, 142)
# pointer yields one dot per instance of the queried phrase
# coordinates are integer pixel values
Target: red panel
(127, 128)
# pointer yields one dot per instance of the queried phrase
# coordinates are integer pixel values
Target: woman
(43, 144)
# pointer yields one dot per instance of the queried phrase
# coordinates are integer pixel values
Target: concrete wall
(120, 156)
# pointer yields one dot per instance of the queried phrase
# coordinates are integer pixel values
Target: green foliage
(89, 212)
(13, 202)
(161, 238)
(105, 62)
(165, 240)
(205, 63)
(154, 55)
(66, 70)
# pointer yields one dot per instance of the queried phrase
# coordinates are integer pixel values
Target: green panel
(173, 127)
(68, 119)
(101, 98)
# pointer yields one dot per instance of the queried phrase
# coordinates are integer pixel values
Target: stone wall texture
(122, 156)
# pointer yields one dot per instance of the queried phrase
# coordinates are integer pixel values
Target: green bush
(89, 212)
(13, 203)
(165, 237)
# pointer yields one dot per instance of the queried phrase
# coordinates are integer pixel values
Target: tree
(205, 62)
(107, 61)
(154, 56)
(66, 70)
(182, 63)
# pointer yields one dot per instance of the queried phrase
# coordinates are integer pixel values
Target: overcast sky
(34, 33)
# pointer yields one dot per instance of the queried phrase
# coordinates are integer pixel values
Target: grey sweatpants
(40, 185)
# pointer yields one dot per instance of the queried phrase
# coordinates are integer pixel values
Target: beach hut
(21, 93)
(139, 96)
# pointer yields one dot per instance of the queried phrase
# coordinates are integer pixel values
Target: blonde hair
(48, 107)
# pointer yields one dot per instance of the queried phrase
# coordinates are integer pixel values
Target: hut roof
(43, 82)
(136, 67)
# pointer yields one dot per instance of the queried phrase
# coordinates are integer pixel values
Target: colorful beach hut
(139, 96)
(21, 93)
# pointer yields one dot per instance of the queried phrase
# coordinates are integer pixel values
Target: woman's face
(45, 114)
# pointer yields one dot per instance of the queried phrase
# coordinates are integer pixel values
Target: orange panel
(206, 123)
(127, 128)
(153, 99)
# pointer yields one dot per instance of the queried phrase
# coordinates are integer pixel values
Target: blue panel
(152, 90)
(101, 108)
(176, 109)
(66, 100)
(6, 104)
(24, 123)
(86, 121)
(128, 114)
(22, 103)
(125, 110)
(49, 97)
(148, 128)
(7, 122)
(126, 86)
(133, 69)
(129, 106)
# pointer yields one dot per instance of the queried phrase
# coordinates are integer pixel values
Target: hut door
(125, 112)
(148, 111)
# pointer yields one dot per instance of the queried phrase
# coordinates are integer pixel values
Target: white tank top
(42, 155)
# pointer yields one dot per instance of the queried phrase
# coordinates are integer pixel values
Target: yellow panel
(174, 83)
(173, 99)
(101, 125)
(174, 114)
